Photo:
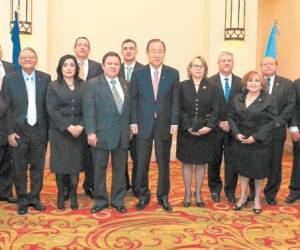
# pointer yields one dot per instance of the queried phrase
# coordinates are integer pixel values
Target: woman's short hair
(250, 75)
(61, 63)
(203, 61)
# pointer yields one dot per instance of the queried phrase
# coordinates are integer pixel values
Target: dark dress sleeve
(52, 100)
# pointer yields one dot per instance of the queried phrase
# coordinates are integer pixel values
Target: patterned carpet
(216, 226)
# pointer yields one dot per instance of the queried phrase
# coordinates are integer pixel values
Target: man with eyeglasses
(24, 94)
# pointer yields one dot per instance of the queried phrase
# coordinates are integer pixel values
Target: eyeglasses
(198, 66)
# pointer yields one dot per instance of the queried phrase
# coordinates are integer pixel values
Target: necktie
(117, 97)
(81, 71)
(155, 83)
(31, 109)
(227, 89)
(268, 85)
(128, 74)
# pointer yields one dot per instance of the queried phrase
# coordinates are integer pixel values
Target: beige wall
(244, 51)
(38, 39)
(179, 24)
(286, 13)
(189, 28)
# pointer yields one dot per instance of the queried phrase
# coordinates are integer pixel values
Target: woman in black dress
(198, 117)
(67, 138)
(252, 120)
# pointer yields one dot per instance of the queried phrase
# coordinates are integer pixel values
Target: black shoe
(22, 210)
(60, 206)
(292, 197)
(165, 204)
(120, 209)
(66, 194)
(199, 201)
(141, 204)
(38, 206)
(231, 198)
(89, 192)
(74, 206)
(238, 208)
(8, 199)
(97, 209)
(187, 200)
(215, 197)
(271, 201)
(257, 211)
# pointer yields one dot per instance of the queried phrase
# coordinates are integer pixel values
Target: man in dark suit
(155, 112)
(283, 90)
(88, 70)
(24, 93)
(228, 85)
(106, 110)
(294, 193)
(129, 52)
(6, 177)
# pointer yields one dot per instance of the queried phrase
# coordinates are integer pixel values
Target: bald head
(268, 66)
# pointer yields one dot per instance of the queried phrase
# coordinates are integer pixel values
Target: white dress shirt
(222, 77)
(272, 78)
(30, 82)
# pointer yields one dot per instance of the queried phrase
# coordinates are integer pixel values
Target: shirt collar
(272, 78)
(222, 77)
(153, 69)
(26, 76)
(129, 65)
(109, 79)
(85, 62)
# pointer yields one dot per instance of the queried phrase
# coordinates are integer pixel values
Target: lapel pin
(277, 83)
(204, 87)
(259, 99)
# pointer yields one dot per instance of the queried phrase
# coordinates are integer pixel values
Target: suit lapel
(126, 97)
(107, 91)
(162, 82)
(219, 84)
(38, 88)
(90, 70)
(276, 86)
(22, 86)
(148, 82)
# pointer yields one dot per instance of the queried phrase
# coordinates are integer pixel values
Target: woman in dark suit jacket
(67, 139)
(198, 117)
(252, 120)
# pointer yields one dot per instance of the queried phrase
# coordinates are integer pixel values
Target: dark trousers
(6, 173)
(30, 150)
(215, 184)
(162, 151)
(295, 175)
(118, 183)
(274, 178)
(88, 169)
(72, 184)
(132, 150)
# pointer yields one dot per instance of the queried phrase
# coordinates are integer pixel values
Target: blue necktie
(227, 89)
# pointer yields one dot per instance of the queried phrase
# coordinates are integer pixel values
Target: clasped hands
(75, 130)
(245, 140)
(202, 131)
